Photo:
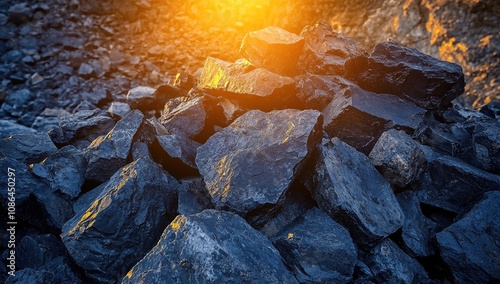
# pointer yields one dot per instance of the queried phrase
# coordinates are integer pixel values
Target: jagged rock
(486, 145)
(86, 71)
(118, 109)
(140, 150)
(142, 97)
(30, 275)
(317, 91)
(193, 197)
(492, 109)
(20, 13)
(85, 200)
(16, 102)
(325, 51)
(28, 147)
(134, 207)
(188, 117)
(398, 157)
(57, 270)
(389, 264)
(406, 72)
(97, 97)
(453, 185)
(273, 48)
(254, 161)
(83, 126)
(417, 231)
(178, 155)
(49, 119)
(35, 251)
(211, 247)
(347, 187)
(470, 246)
(318, 249)
(106, 154)
(8, 128)
(249, 86)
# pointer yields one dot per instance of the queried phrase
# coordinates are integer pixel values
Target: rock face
(134, 207)
(254, 161)
(393, 69)
(346, 186)
(316, 91)
(185, 116)
(201, 248)
(470, 246)
(28, 148)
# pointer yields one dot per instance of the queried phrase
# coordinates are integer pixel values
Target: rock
(359, 117)
(317, 91)
(98, 97)
(389, 264)
(486, 145)
(254, 161)
(135, 206)
(211, 247)
(470, 246)
(58, 270)
(36, 78)
(118, 109)
(398, 158)
(16, 102)
(142, 97)
(325, 51)
(347, 187)
(32, 276)
(85, 200)
(463, 186)
(193, 197)
(28, 147)
(35, 251)
(49, 119)
(406, 72)
(417, 231)
(106, 154)
(187, 117)
(492, 109)
(179, 154)
(273, 48)
(8, 128)
(140, 150)
(86, 71)
(20, 13)
(249, 86)
(318, 249)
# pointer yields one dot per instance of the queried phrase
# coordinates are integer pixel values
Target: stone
(187, 117)
(135, 206)
(193, 196)
(58, 270)
(20, 13)
(118, 109)
(28, 147)
(325, 51)
(359, 117)
(35, 251)
(318, 249)
(398, 158)
(254, 161)
(85, 200)
(140, 150)
(349, 189)
(486, 145)
(142, 98)
(317, 91)
(16, 102)
(179, 154)
(406, 72)
(49, 119)
(98, 97)
(106, 154)
(254, 88)
(211, 247)
(273, 48)
(86, 71)
(8, 128)
(492, 109)
(470, 246)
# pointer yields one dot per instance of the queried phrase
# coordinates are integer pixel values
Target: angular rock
(118, 109)
(398, 158)
(20, 13)
(106, 154)
(486, 145)
(406, 72)
(193, 197)
(85, 200)
(254, 161)
(211, 247)
(142, 97)
(347, 187)
(178, 155)
(49, 119)
(325, 51)
(273, 48)
(58, 270)
(28, 148)
(140, 150)
(8, 128)
(317, 91)
(30, 275)
(134, 207)
(16, 102)
(86, 71)
(470, 246)
(35, 251)
(492, 109)
(187, 117)
(359, 117)
(318, 249)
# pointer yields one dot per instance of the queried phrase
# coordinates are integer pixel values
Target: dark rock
(106, 154)
(179, 154)
(406, 72)
(8, 128)
(325, 51)
(72, 41)
(398, 158)
(417, 230)
(193, 197)
(317, 91)
(347, 186)
(318, 249)
(470, 246)
(16, 102)
(49, 119)
(492, 109)
(254, 161)
(85, 200)
(35, 251)
(58, 270)
(119, 109)
(187, 117)
(28, 148)
(20, 13)
(30, 275)
(211, 247)
(486, 145)
(142, 97)
(140, 150)
(97, 97)
(86, 71)
(12, 56)
(134, 207)
(273, 48)
(453, 185)
(359, 117)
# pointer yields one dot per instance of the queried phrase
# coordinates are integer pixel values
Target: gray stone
(141, 97)
(317, 91)
(179, 154)
(28, 148)
(118, 109)
(8, 127)
(193, 196)
(486, 145)
(188, 117)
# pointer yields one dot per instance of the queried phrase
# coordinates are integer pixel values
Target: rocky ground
(141, 148)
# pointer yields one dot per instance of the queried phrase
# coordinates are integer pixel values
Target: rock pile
(307, 161)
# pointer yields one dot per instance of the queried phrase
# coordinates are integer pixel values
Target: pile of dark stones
(309, 160)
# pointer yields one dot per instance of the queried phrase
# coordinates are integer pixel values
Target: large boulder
(28, 147)
(123, 223)
(211, 247)
(254, 161)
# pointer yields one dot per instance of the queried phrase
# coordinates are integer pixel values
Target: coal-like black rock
(254, 161)
(106, 154)
(85, 200)
(134, 207)
(273, 48)
(193, 196)
(57, 270)
(8, 127)
(325, 51)
(318, 249)
(178, 155)
(140, 150)
(470, 246)
(347, 186)
(486, 145)
(317, 91)
(398, 158)
(492, 109)
(406, 72)
(16, 102)
(359, 117)
(28, 148)
(211, 247)
(141, 97)
(35, 251)
(118, 109)
(187, 116)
